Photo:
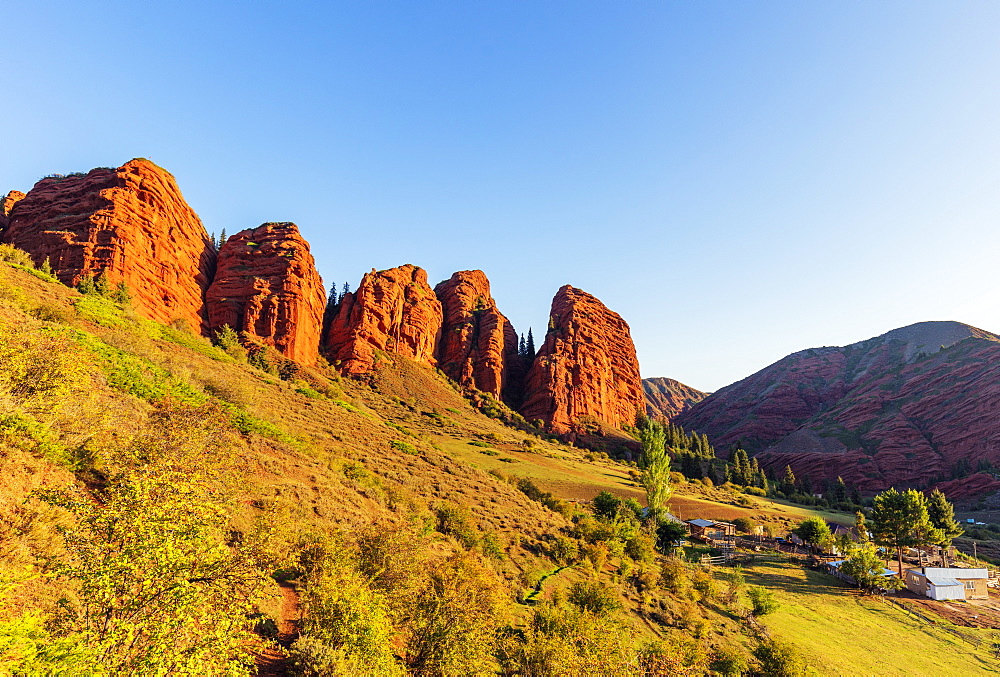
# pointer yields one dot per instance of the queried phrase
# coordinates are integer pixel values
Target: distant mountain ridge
(912, 407)
(666, 397)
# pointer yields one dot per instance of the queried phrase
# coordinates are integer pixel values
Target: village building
(711, 529)
(952, 583)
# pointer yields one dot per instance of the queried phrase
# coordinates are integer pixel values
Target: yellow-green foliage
(154, 574)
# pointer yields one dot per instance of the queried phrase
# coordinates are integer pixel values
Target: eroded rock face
(478, 344)
(6, 205)
(132, 223)
(586, 367)
(909, 408)
(394, 311)
(266, 284)
(666, 398)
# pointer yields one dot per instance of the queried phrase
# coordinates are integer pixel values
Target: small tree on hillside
(942, 516)
(867, 568)
(815, 531)
(900, 520)
(788, 481)
(654, 465)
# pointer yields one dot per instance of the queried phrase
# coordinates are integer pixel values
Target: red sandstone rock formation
(132, 223)
(666, 398)
(266, 285)
(586, 367)
(7, 204)
(478, 344)
(893, 410)
(394, 311)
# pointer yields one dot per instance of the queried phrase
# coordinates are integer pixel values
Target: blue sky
(737, 180)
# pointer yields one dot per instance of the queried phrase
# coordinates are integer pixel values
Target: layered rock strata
(586, 367)
(393, 311)
(478, 347)
(910, 408)
(666, 398)
(266, 285)
(131, 223)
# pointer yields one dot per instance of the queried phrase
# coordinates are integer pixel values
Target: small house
(711, 529)
(834, 568)
(951, 583)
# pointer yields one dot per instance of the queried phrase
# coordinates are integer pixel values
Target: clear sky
(738, 180)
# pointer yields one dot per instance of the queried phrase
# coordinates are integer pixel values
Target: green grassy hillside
(169, 507)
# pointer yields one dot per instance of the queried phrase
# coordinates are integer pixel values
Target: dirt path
(273, 662)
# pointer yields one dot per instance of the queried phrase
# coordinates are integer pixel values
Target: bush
(593, 596)
(745, 524)
(779, 660)
(404, 447)
(762, 600)
(457, 521)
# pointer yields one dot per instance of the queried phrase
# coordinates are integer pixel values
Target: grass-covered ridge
(193, 496)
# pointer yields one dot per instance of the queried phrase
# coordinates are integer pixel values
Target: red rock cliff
(266, 284)
(392, 310)
(585, 367)
(7, 204)
(131, 222)
(478, 344)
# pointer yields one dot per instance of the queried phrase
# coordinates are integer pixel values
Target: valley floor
(844, 633)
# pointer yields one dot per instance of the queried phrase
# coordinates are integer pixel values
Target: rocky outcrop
(131, 223)
(6, 205)
(913, 407)
(666, 398)
(393, 311)
(478, 346)
(585, 368)
(266, 285)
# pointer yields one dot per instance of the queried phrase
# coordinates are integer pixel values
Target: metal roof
(942, 582)
(701, 523)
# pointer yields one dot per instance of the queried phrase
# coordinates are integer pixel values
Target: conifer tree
(521, 346)
(46, 267)
(806, 484)
(942, 516)
(530, 344)
(101, 285)
(85, 285)
(346, 290)
(120, 295)
(213, 241)
(222, 239)
(840, 490)
(788, 481)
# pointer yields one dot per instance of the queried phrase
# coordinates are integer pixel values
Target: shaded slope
(666, 398)
(912, 407)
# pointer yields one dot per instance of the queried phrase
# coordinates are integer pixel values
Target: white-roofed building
(951, 583)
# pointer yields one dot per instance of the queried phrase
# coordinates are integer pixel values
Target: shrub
(404, 447)
(593, 596)
(454, 620)
(779, 660)
(762, 600)
(17, 257)
(744, 524)
(457, 521)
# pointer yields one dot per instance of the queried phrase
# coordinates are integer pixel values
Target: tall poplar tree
(654, 468)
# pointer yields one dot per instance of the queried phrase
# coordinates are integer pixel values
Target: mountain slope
(911, 407)
(667, 398)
